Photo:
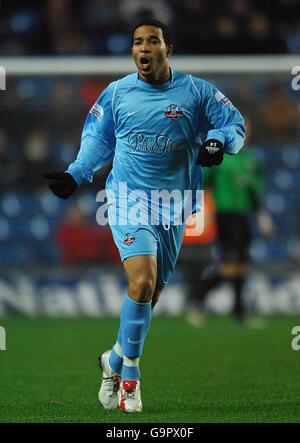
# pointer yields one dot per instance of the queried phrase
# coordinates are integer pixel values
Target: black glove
(61, 184)
(211, 153)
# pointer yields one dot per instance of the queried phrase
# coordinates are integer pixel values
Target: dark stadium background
(55, 260)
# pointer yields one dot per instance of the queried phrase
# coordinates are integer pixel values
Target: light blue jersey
(153, 135)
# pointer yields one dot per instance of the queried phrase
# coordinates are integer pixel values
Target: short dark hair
(157, 24)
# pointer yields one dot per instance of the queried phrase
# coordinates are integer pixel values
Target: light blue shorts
(163, 241)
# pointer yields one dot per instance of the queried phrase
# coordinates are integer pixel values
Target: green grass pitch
(222, 372)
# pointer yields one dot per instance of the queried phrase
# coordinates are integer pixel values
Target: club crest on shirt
(173, 112)
(129, 239)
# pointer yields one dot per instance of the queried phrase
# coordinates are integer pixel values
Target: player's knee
(142, 288)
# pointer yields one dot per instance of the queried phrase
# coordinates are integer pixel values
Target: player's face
(151, 55)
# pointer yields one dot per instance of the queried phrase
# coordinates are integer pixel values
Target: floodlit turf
(219, 373)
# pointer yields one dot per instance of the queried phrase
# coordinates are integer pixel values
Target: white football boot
(130, 396)
(108, 394)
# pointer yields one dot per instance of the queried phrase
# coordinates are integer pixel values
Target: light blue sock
(135, 322)
(116, 356)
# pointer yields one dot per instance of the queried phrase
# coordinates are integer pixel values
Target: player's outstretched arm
(96, 148)
(98, 138)
(61, 184)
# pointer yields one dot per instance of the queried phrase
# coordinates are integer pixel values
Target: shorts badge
(129, 238)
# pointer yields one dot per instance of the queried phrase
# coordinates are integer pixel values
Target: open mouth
(145, 63)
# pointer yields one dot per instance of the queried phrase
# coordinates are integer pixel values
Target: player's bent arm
(226, 121)
(97, 140)
(94, 153)
(96, 149)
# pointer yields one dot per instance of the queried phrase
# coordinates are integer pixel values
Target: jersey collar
(150, 86)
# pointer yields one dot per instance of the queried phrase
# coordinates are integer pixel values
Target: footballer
(149, 124)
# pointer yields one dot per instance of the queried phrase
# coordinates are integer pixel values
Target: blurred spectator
(36, 156)
(293, 39)
(103, 23)
(60, 17)
(191, 27)
(136, 10)
(240, 9)
(10, 162)
(242, 97)
(280, 114)
(260, 37)
(82, 241)
(23, 29)
(102, 15)
(225, 37)
(65, 111)
(64, 147)
(71, 42)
